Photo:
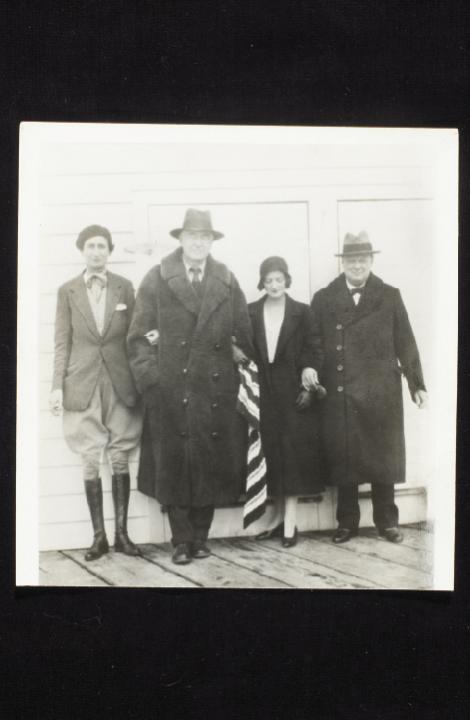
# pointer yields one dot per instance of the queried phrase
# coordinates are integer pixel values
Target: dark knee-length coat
(290, 437)
(194, 441)
(367, 349)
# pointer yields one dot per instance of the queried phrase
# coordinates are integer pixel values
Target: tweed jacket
(80, 350)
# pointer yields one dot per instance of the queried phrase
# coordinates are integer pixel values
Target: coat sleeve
(62, 339)
(406, 348)
(241, 324)
(317, 330)
(143, 357)
(130, 299)
(312, 342)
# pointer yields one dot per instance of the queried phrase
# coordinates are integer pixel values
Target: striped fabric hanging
(248, 406)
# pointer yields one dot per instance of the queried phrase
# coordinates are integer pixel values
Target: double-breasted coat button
(215, 376)
(214, 435)
(339, 326)
(339, 367)
(340, 388)
(183, 434)
(184, 343)
(185, 371)
(339, 347)
(214, 405)
(185, 401)
(217, 346)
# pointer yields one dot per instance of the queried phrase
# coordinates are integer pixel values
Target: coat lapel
(289, 324)
(259, 332)
(173, 271)
(216, 286)
(79, 296)
(113, 294)
(342, 305)
(370, 298)
(216, 290)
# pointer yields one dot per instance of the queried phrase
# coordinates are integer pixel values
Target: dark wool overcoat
(290, 437)
(81, 351)
(194, 442)
(367, 349)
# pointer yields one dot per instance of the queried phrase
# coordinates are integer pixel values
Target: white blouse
(273, 315)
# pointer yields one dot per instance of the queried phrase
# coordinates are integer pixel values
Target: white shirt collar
(87, 275)
(188, 266)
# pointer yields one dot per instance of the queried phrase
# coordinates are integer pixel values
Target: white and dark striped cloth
(248, 406)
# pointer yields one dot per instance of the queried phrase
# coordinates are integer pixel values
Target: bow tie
(354, 291)
(98, 279)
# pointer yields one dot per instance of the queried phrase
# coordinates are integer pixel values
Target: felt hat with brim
(197, 221)
(357, 245)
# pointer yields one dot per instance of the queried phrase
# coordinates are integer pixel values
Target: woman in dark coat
(93, 384)
(288, 356)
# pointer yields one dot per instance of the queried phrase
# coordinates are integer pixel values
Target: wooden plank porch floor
(366, 562)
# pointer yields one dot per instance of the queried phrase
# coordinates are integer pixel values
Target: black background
(172, 654)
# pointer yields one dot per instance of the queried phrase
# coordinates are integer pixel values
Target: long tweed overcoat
(290, 437)
(367, 349)
(80, 350)
(194, 442)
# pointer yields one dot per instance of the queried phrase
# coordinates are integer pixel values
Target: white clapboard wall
(296, 202)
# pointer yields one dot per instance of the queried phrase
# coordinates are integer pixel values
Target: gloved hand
(238, 355)
(304, 400)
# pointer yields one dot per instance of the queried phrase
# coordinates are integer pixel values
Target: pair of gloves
(305, 397)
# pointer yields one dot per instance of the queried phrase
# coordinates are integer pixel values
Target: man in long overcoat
(190, 323)
(369, 345)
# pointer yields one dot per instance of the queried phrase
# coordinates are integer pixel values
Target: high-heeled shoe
(290, 542)
(277, 531)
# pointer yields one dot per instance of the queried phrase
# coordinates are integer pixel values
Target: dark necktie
(196, 281)
(355, 291)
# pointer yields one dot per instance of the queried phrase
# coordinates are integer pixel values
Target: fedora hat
(197, 220)
(357, 245)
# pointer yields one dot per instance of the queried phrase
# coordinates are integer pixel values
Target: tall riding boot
(94, 496)
(121, 492)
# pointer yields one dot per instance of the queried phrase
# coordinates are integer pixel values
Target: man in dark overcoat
(369, 345)
(190, 324)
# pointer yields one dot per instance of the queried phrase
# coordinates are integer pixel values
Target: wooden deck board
(214, 571)
(55, 569)
(416, 538)
(382, 572)
(301, 574)
(375, 546)
(366, 562)
(124, 571)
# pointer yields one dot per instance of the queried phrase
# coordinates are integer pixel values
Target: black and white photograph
(237, 357)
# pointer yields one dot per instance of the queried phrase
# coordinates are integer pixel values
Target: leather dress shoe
(277, 531)
(200, 549)
(393, 535)
(342, 535)
(182, 554)
(290, 541)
